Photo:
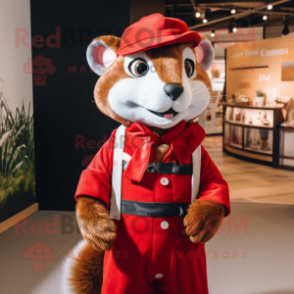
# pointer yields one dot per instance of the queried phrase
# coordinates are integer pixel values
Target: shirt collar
(183, 138)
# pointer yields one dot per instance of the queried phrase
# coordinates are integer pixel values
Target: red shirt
(145, 246)
(143, 186)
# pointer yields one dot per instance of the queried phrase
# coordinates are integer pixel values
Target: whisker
(201, 90)
(216, 95)
(197, 87)
(204, 87)
(207, 96)
(203, 82)
(205, 99)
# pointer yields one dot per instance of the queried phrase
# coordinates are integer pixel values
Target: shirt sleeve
(95, 180)
(212, 185)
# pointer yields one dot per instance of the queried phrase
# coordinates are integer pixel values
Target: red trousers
(154, 255)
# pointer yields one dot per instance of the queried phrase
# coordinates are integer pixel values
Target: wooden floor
(249, 181)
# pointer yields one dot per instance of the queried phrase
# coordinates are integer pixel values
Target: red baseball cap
(154, 31)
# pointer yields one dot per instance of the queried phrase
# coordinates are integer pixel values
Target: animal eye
(189, 67)
(139, 67)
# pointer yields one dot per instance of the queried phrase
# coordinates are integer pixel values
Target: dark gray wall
(63, 99)
(140, 8)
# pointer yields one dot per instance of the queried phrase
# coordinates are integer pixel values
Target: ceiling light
(207, 14)
(234, 29)
(233, 11)
(212, 33)
(198, 14)
(269, 7)
(265, 17)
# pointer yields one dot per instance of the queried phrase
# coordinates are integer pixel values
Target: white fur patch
(99, 56)
(67, 267)
(206, 51)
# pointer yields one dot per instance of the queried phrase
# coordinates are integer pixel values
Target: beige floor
(251, 254)
(249, 181)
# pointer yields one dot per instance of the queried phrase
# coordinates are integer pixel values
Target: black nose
(173, 90)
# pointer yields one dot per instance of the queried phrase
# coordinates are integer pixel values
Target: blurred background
(50, 129)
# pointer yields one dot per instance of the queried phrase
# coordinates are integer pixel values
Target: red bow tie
(182, 138)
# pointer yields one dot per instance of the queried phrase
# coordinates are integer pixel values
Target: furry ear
(204, 53)
(101, 53)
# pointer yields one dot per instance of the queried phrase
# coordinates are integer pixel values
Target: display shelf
(262, 158)
(256, 141)
(239, 146)
(249, 125)
(287, 127)
(258, 150)
(286, 156)
(252, 107)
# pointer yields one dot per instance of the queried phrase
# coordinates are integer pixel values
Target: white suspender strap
(118, 157)
(196, 160)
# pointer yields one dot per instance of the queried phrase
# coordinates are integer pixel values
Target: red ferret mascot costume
(151, 197)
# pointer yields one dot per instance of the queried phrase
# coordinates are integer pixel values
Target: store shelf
(249, 125)
(254, 137)
(286, 156)
(252, 107)
(249, 154)
(269, 152)
(236, 145)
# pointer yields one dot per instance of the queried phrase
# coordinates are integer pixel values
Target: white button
(159, 276)
(164, 225)
(164, 181)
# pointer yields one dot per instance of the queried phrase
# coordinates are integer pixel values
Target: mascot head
(155, 74)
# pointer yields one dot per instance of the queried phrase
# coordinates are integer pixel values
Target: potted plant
(259, 99)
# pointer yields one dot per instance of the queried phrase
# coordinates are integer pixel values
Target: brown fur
(202, 74)
(203, 77)
(112, 75)
(203, 220)
(87, 271)
(161, 150)
(95, 224)
(167, 61)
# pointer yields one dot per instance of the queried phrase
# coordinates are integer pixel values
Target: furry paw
(203, 220)
(95, 224)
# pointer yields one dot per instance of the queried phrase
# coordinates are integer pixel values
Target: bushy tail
(83, 270)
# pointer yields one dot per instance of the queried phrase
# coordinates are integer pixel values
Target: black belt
(154, 209)
(167, 168)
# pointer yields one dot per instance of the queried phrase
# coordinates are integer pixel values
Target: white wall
(16, 85)
(223, 39)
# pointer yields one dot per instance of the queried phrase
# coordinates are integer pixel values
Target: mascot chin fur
(151, 197)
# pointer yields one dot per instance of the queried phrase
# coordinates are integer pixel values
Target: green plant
(23, 181)
(259, 93)
(17, 173)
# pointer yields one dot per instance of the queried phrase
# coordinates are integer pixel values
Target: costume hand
(203, 220)
(95, 224)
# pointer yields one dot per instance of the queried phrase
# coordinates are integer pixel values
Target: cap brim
(159, 41)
